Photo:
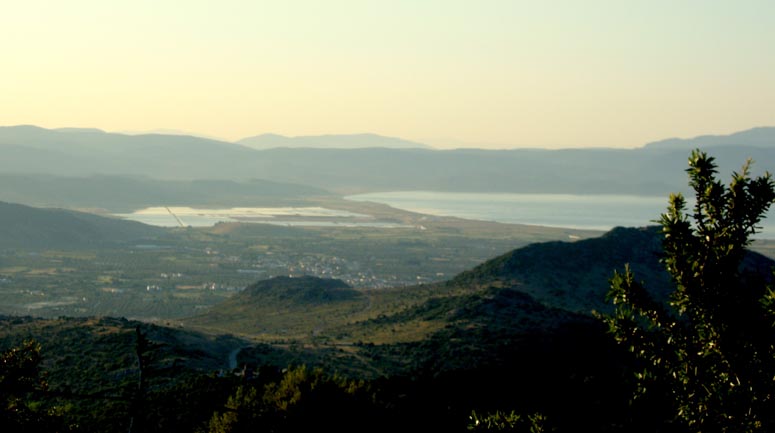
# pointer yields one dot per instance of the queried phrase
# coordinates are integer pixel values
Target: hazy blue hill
(78, 152)
(730, 151)
(124, 193)
(656, 169)
(80, 139)
(600, 170)
(465, 170)
(29, 227)
(343, 141)
(756, 137)
(81, 130)
(581, 171)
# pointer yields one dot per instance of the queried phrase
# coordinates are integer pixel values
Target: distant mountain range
(655, 169)
(754, 137)
(349, 141)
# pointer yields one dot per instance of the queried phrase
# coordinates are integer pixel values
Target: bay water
(592, 212)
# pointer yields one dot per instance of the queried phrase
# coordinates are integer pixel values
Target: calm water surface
(594, 212)
(285, 216)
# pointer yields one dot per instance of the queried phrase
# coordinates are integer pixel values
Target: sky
(449, 73)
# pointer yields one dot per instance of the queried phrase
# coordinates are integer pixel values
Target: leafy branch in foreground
(507, 422)
(712, 350)
(21, 383)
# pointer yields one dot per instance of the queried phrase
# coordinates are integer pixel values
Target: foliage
(19, 370)
(507, 422)
(20, 381)
(711, 351)
(302, 400)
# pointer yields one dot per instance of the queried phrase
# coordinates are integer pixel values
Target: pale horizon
(495, 74)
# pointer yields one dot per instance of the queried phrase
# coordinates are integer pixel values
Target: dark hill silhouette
(283, 306)
(298, 290)
(574, 275)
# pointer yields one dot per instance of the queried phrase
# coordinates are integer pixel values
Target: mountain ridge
(329, 141)
(651, 170)
(757, 136)
(305, 290)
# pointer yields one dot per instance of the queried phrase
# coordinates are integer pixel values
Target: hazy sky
(450, 73)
